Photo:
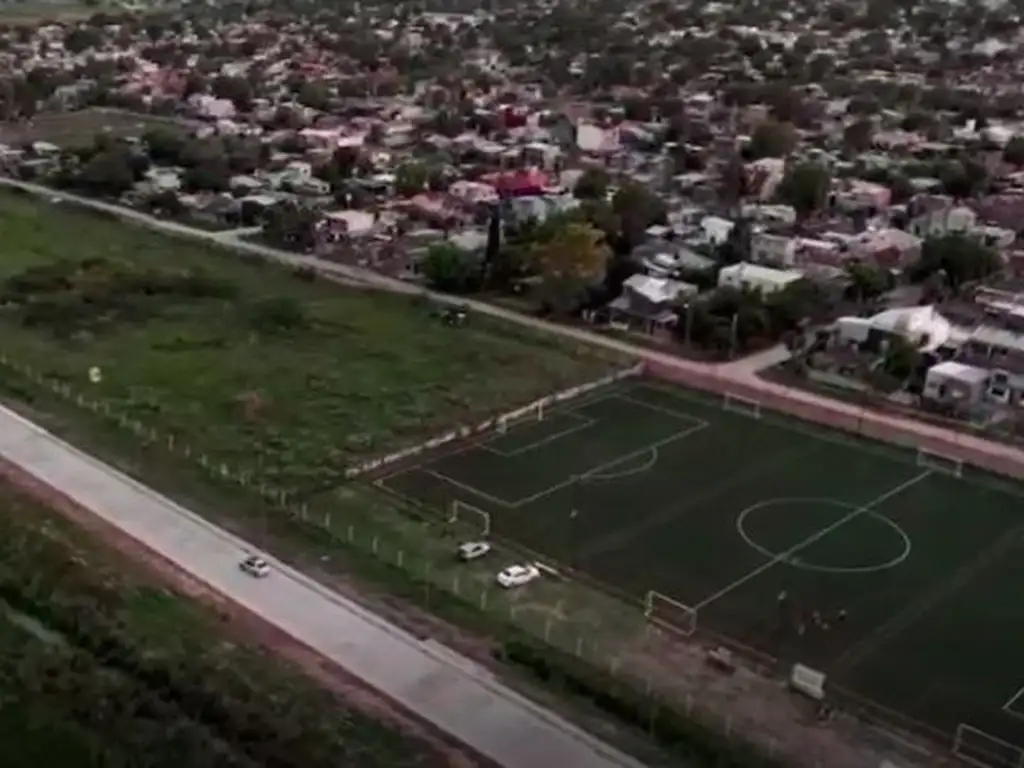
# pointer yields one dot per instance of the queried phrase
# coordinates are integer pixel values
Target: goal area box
(974, 746)
(469, 517)
(670, 614)
(742, 405)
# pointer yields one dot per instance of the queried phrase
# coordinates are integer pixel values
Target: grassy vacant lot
(72, 129)
(279, 377)
(101, 666)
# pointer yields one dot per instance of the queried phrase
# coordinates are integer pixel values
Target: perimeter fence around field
(864, 421)
(420, 569)
(968, 743)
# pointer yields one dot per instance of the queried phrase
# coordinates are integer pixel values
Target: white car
(518, 575)
(255, 566)
(471, 550)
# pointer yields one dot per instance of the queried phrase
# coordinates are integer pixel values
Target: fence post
(400, 558)
(327, 524)
(547, 630)
(303, 508)
(455, 584)
(373, 545)
(483, 599)
(351, 533)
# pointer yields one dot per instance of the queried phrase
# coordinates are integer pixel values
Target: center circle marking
(795, 560)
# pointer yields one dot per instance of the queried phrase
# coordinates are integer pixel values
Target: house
(662, 258)
(954, 383)
(526, 183)
(766, 248)
(999, 351)
(943, 221)
(924, 327)
(650, 301)
(715, 230)
(747, 276)
(887, 248)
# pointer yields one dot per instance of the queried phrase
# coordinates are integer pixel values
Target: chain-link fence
(420, 565)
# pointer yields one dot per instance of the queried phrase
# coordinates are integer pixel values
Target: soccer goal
(936, 462)
(974, 746)
(742, 405)
(671, 614)
(469, 516)
(532, 412)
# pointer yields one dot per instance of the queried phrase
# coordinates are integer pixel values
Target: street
(450, 692)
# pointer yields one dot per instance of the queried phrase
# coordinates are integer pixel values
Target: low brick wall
(987, 455)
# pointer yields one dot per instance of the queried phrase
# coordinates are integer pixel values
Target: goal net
(470, 517)
(939, 463)
(742, 405)
(671, 614)
(532, 412)
(976, 747)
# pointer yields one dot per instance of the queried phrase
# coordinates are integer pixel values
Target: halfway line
(783, 556)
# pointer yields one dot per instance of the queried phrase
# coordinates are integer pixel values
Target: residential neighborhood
(813, 212)
(817, 167)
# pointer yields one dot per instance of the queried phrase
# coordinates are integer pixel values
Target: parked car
(472, 550)
(518, 575)
(255, 566)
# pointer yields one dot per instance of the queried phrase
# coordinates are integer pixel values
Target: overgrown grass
(171, 678)
(282, 377)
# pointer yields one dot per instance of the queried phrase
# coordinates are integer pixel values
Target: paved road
(445, 689)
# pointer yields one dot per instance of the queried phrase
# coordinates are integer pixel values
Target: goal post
(742, 405)
(669, 613)
(974, 746)
(472, 517)
(938, 462)
(532, 412)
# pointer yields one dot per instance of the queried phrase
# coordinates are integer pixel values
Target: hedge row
(686, 737)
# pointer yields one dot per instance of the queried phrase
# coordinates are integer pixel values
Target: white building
(923, 327)
(757, 278)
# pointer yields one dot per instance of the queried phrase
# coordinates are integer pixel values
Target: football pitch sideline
(891, 572)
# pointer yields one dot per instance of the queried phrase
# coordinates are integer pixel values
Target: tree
(772, 139)
(289, 223)
(410, 179)
(962, 179)
(958, 258)
(805, 187)
(592, 184)
(570, 264)
(637, 208)
(108, 173)
(165, 145)
(866, 283)
(857, 136)
(451, 269)
(902, 359)
(1014, 151)
(236, 89)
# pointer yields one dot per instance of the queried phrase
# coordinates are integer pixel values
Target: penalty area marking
(647, 465)
(1010, 707)
(600, 472)
(582, 422)
(795, 562)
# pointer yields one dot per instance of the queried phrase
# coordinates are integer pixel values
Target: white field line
(814, 537)
(582, 422)
(1009, 707)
